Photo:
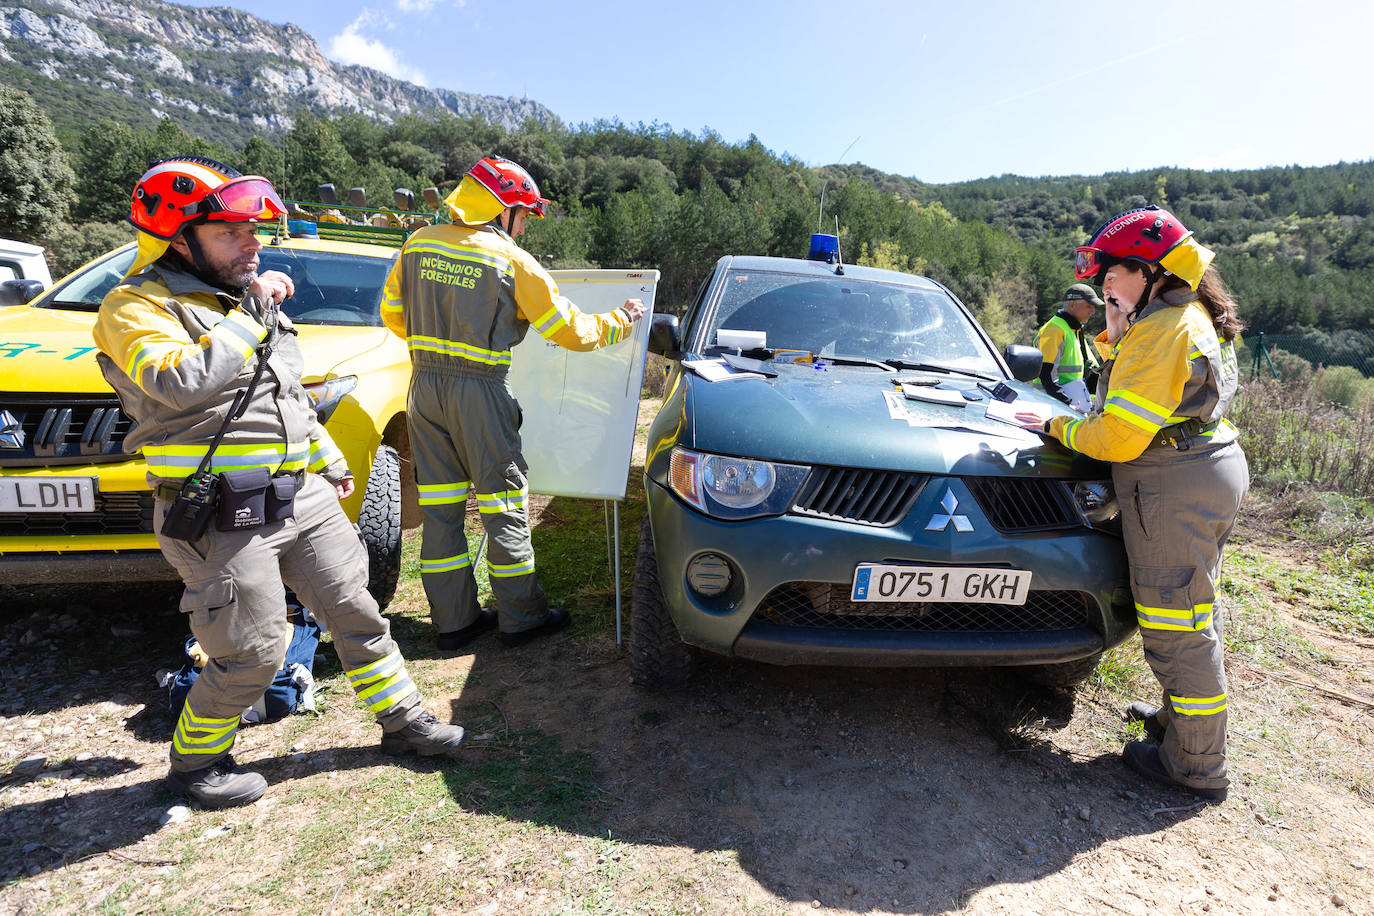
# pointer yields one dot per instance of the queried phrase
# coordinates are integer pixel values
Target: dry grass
(759, 790)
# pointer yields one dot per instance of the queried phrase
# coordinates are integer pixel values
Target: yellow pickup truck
(74, 507)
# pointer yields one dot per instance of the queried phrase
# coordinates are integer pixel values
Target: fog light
(709, 574)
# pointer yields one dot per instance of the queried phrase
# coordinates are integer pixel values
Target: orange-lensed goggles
(244, 198)
(1088, 263)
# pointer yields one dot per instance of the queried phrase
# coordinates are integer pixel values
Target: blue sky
(937, 91)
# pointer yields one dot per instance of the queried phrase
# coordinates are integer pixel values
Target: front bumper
(85, 567)
(1080, 569)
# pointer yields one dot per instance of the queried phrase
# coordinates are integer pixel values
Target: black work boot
(557, 620)
(1143, 757)
(454, 640)
(1147, 716)
(220, 785)
(426, 736)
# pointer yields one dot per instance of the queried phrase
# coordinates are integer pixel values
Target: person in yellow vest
(462, 294)
(1178, 470)
(206, 364)
(1068, 356)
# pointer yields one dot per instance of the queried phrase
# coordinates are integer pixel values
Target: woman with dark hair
(1179, 473)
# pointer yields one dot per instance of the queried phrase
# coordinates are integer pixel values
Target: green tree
(111, 156)
(262, 157)
(36, 180)
(314, 155)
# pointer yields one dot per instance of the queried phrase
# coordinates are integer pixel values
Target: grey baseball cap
(1082, 291)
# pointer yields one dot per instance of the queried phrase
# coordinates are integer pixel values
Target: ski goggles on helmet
(247, 198)
(1089, 262)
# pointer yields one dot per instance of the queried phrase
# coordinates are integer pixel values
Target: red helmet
(511, 184)
(1145, 234)
(187, 189)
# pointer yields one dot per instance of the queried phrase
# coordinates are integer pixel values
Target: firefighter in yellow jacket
(462, 295)
(193, 335)
(1068, 358)
(1179, 473)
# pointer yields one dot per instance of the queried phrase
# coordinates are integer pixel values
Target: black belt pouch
(243, 499)
(188, 516)
(281, 498)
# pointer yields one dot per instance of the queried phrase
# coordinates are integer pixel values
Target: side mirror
(1023, 361)
(664, 336)
(17, 292)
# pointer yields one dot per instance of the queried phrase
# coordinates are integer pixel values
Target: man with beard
(206, 364)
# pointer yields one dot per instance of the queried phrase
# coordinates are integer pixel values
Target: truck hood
(51, 350)
(844, 416)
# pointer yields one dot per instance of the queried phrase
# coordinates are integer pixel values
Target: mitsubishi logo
(11, 431)
(940, 522)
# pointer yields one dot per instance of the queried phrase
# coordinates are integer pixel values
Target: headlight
(738, 483)
(1096, 499)
(329, 394)
(734, 488)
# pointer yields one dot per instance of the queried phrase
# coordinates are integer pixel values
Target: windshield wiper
(885, 365)
(938, 367)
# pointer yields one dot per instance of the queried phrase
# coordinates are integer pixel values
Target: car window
(845, 316)
(331, 288)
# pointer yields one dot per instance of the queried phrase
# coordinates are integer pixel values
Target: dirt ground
(758, 790)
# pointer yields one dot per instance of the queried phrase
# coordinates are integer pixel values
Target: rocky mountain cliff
(220, 72)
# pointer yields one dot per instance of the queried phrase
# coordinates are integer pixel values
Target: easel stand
(612, 509)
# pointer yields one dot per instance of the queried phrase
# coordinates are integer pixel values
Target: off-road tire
(658, 656)
(1064, 675)
(379, 524)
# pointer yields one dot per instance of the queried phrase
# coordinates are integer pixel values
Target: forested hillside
(1296, 244)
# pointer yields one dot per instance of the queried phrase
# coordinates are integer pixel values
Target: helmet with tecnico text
(1149, 236)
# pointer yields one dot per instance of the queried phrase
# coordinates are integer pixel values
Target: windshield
(331, 288)
(844, 316)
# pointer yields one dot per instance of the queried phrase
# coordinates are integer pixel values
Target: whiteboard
(580, 409)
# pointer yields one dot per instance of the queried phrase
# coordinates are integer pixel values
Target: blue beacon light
(824, 247)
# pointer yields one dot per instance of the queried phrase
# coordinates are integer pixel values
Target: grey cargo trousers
(235, 601)
(1177, 510)
(465, 436)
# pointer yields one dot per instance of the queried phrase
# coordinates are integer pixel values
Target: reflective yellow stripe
(445, 564)
(1136, 410)
(550, 321)
(323, 454)
(382, 683)
(494, 503)
(198, 735)
(508, 570)
(1198, 706)
(1070, 432)
(471, 254)
(438, 494)
(459, 349)
(173, 461)
(1198, 617)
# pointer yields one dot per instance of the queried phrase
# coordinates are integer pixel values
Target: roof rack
(347, 223)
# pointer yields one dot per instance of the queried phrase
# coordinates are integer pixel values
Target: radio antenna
(820, 215)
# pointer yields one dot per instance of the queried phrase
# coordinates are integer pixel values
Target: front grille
(879, 498)
(115, 513)
(823, 605)
(51, 429)
(1019, 505)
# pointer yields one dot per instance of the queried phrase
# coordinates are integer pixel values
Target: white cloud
(423, 6)
(351, 46)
